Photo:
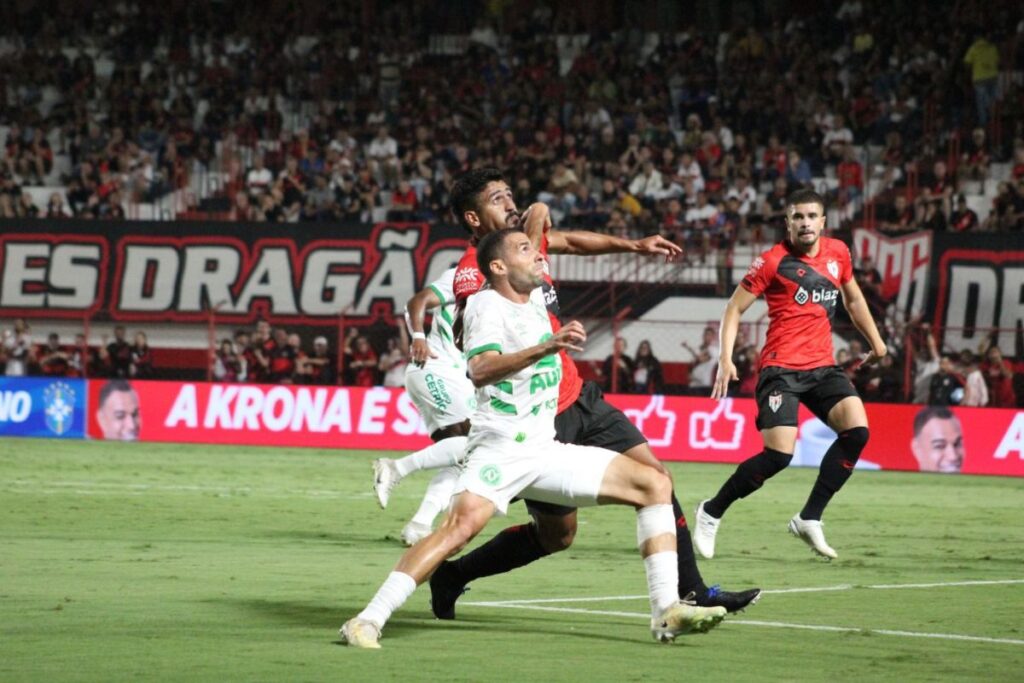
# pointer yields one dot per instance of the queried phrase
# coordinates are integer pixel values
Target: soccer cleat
(732, 602)
(810, 532)
(444, 591)
(385, 477)
(414, 532)
(704, 532)
(361, 633)
(685, 617)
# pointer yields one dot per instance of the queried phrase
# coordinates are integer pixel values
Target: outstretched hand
(570, 337)
(658, 245)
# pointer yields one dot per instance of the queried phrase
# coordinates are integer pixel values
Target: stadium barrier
(679, 428)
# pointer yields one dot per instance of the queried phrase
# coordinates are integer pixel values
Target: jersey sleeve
(759, 275)
(444, 287)
(468, 279)
(483, 326)
(846, 267)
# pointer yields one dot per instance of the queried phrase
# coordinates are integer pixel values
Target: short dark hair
(466, 191)
(112, 387)
(805, 196)
(931, 413)
(490, 248)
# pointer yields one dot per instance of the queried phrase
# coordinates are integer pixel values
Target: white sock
(438, 495)
(390, 596)
(662, 580)
(441, 454)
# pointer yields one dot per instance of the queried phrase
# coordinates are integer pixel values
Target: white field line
(100, 487)
(544, 605)
(811, 589)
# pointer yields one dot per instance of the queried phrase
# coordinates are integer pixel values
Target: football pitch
(160, 562)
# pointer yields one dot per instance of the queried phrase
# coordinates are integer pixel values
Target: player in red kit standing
(801, 279)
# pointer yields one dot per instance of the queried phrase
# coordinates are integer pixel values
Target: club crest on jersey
(801, 296)
(800, 272)
(833, 268)
(775, 401)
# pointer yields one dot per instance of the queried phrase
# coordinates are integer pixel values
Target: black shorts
(780, 391)
(591, 421)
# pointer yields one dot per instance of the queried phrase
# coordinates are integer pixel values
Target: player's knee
(854, 440)
(554, 538)
(457, 531)
(655, 487)
(776, 461)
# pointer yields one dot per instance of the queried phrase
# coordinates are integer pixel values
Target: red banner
(904, 437)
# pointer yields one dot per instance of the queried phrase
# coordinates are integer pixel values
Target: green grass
(157, 562)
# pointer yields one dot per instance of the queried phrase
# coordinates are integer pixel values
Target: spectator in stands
(1007, 209)
(975, 160)
(617, 369)
(837, 139)
(998, 377)
(982, 57)
(382, 156)
(263, 347)
(55, 207)
(243, 350)
(141, 358)
(963, 218)
(901, 216)
(647, 373)
(929, 214)
(798, 173)
(283, 357)
(883, 383)
(320, 366)
(362, 359)
(975, 388)
(946, 387)
(394, 360)
(228, 365)
(850, 175)
(116, 355)
(705, 360)
(54, 359)
(259, 179)
(403, 202)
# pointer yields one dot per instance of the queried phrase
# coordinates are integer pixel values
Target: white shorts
(442, 393)
(549, 471)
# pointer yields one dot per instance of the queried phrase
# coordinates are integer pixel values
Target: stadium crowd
(356, 111)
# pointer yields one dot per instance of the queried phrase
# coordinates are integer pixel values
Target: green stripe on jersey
(503, 407)
(483, 349)
(440, 296)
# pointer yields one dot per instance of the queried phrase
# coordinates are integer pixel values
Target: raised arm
(490, 367)
(583, 242)
(415, 312)
(737, 305)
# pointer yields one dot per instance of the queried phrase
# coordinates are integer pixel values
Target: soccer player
(801, 279)
(483, 203)
(436, 382)
(513, 359)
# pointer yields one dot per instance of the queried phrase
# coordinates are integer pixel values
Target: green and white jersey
(521, 407)
(441, 339)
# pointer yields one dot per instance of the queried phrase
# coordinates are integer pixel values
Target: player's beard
(513, 219)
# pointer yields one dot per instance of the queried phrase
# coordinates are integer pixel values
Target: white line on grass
(541, 605)
(767, 624)
(810, 589)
